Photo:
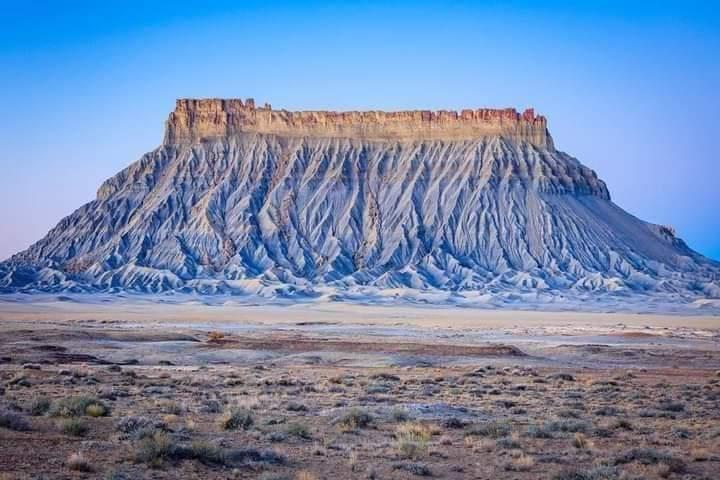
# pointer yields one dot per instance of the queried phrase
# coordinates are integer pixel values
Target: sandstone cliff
(194, 120)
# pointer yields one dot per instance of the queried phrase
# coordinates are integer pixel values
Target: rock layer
(275, 203)
(195, 120)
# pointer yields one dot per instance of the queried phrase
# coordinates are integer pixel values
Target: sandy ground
(353, 391)
(139, 310)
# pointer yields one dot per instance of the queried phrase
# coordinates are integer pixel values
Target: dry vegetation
(496, 418)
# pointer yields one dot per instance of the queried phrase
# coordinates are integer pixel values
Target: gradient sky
(632, 91)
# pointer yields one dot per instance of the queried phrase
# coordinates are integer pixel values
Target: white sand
(139, 310)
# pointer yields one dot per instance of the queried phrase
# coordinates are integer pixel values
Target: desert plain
(136, 387)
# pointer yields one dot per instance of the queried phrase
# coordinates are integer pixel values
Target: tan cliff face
(194, 120)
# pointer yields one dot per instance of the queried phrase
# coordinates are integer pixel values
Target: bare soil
(389, 400)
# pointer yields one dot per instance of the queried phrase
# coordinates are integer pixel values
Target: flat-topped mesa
(196, 119)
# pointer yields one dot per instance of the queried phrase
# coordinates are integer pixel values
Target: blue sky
(632, 91)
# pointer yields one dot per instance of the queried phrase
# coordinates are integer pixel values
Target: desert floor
(132, 388)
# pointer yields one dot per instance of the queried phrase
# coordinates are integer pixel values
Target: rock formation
(478, 203)
(194, 120)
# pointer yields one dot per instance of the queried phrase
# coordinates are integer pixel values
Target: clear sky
(632, 91)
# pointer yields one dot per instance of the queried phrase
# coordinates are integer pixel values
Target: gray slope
(487, 215)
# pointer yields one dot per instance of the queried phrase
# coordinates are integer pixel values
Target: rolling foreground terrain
(104, 387)
(475, 207)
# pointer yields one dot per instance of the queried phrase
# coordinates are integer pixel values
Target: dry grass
(451, 422)
(95, 410)
(521, 462)
(305, 475)
(79, 463)
(353, 462)
(421, 430)
(479, 444)
(581, 441)
(412, 439)
(701, 454)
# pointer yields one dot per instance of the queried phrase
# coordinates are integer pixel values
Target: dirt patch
(298, 344)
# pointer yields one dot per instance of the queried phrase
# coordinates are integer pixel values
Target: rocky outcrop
(196, 120)
(241, 199)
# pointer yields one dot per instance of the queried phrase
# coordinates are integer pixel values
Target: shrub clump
(79, 406)
(520, 462)
(607, 411)
(454, 422)
(207, 453)
(670, 406)
(540, 431)
(296, 407)
(74, 427)
(39, 406)
(95, 410)
(137, 427)
(353, 420)
(418, 469)
(159, 448)
(155, 449)
(650, 456)
(490, 429)
(386, 377)
(254, 455)
(581, 442)
(298, 430)
(509, 442)
(571, 426)
(13, 420)
(621, 424)
(399, 414)
(239, 418)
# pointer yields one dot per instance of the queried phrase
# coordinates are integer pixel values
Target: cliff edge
(194, 120)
